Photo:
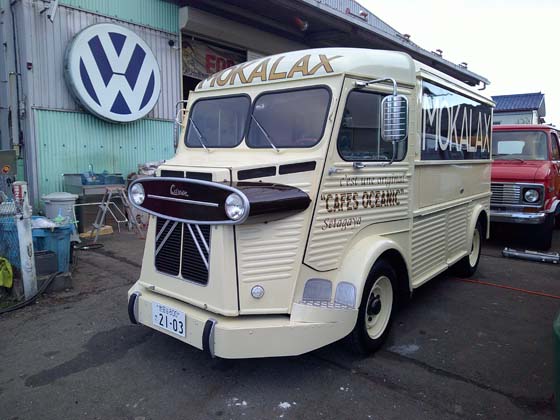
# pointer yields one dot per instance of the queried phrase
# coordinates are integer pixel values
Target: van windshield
(519, 145)
(218, 122)
(278, 119)
(294, 118)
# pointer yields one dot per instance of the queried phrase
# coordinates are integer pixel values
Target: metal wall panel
(67, 142)
(154, 13)
(48, 46)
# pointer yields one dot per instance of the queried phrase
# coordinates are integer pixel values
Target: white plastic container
(60, 203)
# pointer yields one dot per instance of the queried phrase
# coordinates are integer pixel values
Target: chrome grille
(505, 194)
(196, 253)
(168, 246)
(193, 262)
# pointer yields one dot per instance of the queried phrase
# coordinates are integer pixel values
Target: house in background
(522, 108)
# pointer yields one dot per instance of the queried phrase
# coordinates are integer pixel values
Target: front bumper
(518, 217)
(306, 329)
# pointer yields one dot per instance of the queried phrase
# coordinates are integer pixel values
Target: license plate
(169, 319)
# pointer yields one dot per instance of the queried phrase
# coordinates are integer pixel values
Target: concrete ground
(458, 350)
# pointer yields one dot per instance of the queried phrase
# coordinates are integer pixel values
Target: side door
(360, 186)
(555, 145)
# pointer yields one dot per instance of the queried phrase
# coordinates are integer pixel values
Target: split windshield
(218, 122)
(519, 145)
(283, 119)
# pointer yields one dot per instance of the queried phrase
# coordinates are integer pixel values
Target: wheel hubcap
(374, 306)
(379, 305)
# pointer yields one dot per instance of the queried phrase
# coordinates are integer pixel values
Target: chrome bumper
(518, 217)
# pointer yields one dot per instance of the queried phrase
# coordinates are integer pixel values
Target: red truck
(526, 179)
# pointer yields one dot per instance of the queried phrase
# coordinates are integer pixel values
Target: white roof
(321, 62)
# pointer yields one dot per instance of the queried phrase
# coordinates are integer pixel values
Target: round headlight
(235, 207)
(137, 194)
(531, 195)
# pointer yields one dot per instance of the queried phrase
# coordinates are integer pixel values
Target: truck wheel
(543, 234)
(376, 309)
(467, 266)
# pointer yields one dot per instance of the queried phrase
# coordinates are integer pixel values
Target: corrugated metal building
(189, 38)
(56, 135)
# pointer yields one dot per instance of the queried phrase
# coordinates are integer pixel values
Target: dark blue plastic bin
(58, 241)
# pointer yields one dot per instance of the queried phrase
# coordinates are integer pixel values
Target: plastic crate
(45, 263)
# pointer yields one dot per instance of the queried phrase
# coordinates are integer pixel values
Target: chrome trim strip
(193, 181)
(162, 229)
(517, 217)
(166, 237)
(203, 238)
(183, 200)
(195, 240)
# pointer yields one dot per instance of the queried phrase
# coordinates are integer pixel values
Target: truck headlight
(235, 207)
(531, 195)
(137, 194)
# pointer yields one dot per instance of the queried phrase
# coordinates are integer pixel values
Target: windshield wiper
(266, 135)
(201, 138)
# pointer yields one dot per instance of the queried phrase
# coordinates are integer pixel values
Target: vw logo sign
(112, 72)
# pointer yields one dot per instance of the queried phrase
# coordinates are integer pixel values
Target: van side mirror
(394, 118)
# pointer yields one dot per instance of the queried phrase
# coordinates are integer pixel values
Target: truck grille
(168, 246)
(193, 240)
(505, 194)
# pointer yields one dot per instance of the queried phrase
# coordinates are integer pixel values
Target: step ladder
(111, 192)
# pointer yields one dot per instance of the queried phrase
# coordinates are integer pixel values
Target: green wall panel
(155, 13)
(67, 142)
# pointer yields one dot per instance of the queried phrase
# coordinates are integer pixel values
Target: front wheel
(376, 309)
(467, 266)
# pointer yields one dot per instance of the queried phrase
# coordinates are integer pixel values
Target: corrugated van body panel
(67, 142)
(48, 46)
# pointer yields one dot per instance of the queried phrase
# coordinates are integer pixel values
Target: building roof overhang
(328, 27)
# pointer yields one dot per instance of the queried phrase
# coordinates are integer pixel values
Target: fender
(362, 256)
(555, 207)
(477, 211)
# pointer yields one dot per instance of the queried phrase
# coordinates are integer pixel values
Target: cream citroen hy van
(311, 193)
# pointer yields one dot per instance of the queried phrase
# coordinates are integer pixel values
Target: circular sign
(6, 169)
(112, 72)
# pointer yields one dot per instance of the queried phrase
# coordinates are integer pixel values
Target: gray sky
(513, 43)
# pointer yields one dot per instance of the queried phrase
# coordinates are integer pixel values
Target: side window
(555, 147)
(359, 137)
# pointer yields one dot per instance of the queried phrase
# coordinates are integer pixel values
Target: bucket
(60, 203)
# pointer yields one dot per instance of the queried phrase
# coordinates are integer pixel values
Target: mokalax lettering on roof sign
(112, 73)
